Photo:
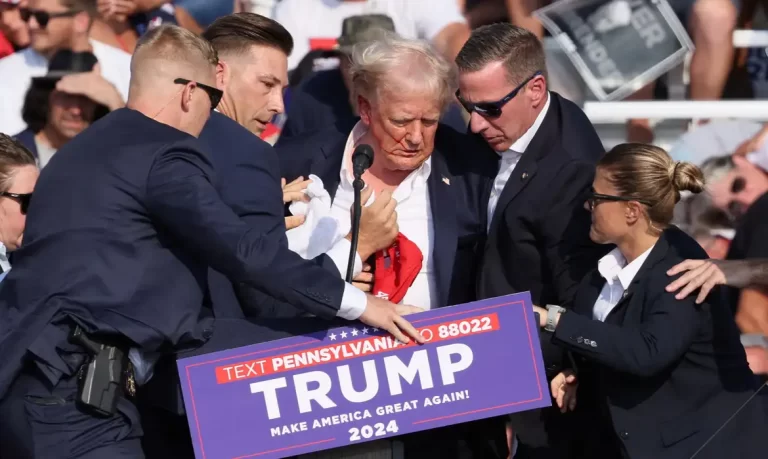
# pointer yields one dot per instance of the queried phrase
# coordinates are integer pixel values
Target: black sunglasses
(23, 199)
(594, 198)
(43, 17)
(493, 109)
(214, 94)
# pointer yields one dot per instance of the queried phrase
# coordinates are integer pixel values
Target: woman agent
(665, 374)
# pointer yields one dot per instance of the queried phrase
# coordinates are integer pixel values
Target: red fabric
(6, 48)
(322, 43)
(396, 269)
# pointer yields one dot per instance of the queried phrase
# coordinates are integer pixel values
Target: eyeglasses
(22, 198)
(214, 94)
(43, 17)
(594, 198)
(493, 109)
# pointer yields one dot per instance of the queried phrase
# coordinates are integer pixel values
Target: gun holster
(106, 375)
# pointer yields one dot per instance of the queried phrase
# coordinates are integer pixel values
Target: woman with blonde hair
(662, 375)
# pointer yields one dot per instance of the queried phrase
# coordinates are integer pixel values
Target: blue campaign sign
(355, 384)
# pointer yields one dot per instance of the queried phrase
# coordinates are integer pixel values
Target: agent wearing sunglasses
(661, 375)
(537, 228)
(55, 25)
(18, 175)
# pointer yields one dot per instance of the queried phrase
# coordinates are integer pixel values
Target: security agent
(123, 225)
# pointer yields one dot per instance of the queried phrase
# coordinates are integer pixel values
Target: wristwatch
(552, 311)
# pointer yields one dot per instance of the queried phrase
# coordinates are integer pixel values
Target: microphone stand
(357, 210)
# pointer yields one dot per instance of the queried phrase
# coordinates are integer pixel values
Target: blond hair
(649, 175)
(395, 64)
(171, 49)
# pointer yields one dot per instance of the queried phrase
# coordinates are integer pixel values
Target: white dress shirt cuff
(339, 253)
(353, 303)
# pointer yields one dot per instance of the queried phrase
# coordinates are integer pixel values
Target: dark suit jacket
(124, 225)
(669, 372)
(538, 240)
(458, 204)
(248, 173)
(322, 102)
(27, 138)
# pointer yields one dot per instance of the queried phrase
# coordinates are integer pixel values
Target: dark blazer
(458, 204)
(248, 181)
(123, 227)
(322, 102)
(669, 372)
(538, 240)
(27, 138)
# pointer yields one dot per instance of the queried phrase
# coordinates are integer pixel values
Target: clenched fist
(378, 224)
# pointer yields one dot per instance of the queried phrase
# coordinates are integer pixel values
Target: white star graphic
(343, 334)
(355, 332)
(332, 336)
(365, 330)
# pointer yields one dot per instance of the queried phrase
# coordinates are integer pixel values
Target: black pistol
(101, 380)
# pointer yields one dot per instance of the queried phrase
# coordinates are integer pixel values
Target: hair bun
(687, 177)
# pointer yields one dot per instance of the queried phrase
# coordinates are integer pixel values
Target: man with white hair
(123, 228)
(439, 178)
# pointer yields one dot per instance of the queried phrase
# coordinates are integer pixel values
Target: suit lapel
(328, 165)
(657, 254)
(445, 241)
(527, 167)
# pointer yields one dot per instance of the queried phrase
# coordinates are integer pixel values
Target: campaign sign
(356, 384)
(617, 46)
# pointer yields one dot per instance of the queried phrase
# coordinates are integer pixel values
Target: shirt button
(579, 340)
(624, 435)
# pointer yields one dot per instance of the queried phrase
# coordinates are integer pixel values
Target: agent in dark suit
(438, 177)
(661, 375)
(538, 229)
(253, 52)
(124, 225)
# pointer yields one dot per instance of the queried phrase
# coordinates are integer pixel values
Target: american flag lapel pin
(446, 180)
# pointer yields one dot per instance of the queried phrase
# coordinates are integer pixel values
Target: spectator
(315, 24)
(711, 24)
(55, 25)
(63, 103)
(740, 187)
(18, 175)
(197, 15)
(14, 34)
(122, 22)
(325, 99)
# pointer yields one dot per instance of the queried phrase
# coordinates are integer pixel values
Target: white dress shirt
(414, 217)
(509, 160)
(618, 275)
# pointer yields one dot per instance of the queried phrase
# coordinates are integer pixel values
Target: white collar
(614, 266)
(521, 144)
(360, 129)
(4, 263)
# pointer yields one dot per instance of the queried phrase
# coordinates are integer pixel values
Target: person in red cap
(435, 178)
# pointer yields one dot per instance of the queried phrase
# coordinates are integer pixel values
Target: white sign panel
(618, 46)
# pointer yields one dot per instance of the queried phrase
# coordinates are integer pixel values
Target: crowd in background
(66, 63)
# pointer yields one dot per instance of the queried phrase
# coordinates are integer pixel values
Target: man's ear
(223, 74)
(365, 110)
(82, 23)
(186, 97)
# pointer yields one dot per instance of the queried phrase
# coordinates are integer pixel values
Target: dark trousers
(38, 421)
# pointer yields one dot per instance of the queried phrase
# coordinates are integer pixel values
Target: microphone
(362, 159)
